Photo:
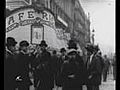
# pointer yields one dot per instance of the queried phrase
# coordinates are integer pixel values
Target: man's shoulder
(48, 53)
(8, 54)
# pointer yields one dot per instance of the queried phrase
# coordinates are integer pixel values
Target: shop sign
(67, 36)
(29, 16)
(62, 35)
(59, 33)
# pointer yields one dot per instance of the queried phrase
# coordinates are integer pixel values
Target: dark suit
(94, 70)
(106, 69)
(55, 66)
(23, 61)
(114, 68)
(76, 68)
(45, 72)
(9, 71)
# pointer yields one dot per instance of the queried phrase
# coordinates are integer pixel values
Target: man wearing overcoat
(23, 61)
(45, 70)
(9, 65)
(94, 69)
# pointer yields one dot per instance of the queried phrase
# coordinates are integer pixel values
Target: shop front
(27, 23)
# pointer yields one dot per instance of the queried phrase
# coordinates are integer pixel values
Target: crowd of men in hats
(49, 70)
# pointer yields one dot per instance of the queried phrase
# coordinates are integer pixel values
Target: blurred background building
(70, 19)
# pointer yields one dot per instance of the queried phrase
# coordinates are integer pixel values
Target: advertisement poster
(36, 34)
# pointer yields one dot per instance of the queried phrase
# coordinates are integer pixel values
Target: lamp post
(93, 35)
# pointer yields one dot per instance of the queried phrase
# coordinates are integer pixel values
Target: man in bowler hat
(23, 61)
(44, 73)
(94, 68)
(9, 65)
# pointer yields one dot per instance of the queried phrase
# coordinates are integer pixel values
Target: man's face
(89, 53)
(105, 56)
(63, 53)
(13, 48)
(72, 56)
(43, 48)
(24, 48)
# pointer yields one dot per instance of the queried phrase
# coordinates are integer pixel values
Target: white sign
(61, 20)
(28, 16)
(37, 35)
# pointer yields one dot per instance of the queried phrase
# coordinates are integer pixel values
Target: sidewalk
(109, 85)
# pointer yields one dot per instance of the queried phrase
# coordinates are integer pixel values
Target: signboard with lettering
(62, 35)
(36, 34)
(28, 16)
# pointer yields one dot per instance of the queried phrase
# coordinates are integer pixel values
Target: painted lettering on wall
(28, 16)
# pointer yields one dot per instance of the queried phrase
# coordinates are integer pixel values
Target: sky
(102, 17)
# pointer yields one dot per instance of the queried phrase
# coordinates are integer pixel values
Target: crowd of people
(66, 70)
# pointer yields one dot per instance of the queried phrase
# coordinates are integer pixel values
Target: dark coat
(54, 64)
(9, 71)
(61, 61)
(107, 64)
(59, 67)
(45, 71)
(22, 65)
(73, 67)
(95, 69)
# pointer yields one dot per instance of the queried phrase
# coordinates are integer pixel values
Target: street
(109, 85)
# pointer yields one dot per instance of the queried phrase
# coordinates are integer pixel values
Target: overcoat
(94, 70)
(22, 66)
(45, 71)
(9, 71)
(74, 67)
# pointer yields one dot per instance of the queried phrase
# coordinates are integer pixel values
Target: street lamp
(93, 35)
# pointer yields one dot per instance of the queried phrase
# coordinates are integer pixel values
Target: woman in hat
(73, 70)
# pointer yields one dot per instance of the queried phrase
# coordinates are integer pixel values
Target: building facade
(71, 22)
(81, 26)
(78, 23)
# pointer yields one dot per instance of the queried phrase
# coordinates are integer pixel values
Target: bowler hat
(62, 50)
(23, 43)
(89, 47)
(43, 43)
(11, 41)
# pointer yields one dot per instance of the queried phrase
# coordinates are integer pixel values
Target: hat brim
(72, 51)
(43, 45)
(63, 51)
